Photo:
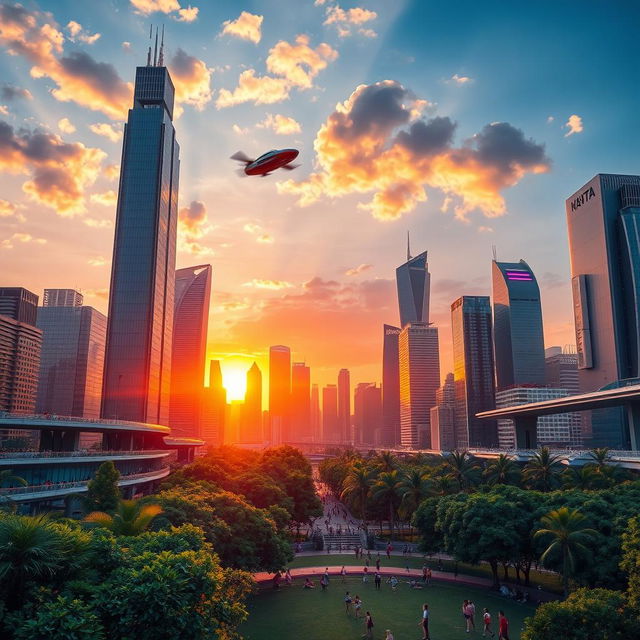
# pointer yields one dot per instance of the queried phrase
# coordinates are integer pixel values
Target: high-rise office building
(316, 414)
(252, 413)
(367, 413)
(553, 430)
(137, 377)
(300, 403)
(344, 404)
(473, 371)
(561, 367)
(413, 281)
(443, 435)
(517, 325)
(419, 358)
(72, 358)
(603, 218)
(62, 298)
(279, 393)
(330, 426)
(189, 348)
(19, 304)
(390, 387)
(214, 408)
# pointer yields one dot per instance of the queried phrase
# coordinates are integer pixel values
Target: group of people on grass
(469, 613)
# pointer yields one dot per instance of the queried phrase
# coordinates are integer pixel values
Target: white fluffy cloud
(574, 124)
(247, 26)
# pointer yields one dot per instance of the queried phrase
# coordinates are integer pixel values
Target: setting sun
(234, 380)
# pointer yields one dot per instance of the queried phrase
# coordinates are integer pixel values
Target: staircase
(345, 541)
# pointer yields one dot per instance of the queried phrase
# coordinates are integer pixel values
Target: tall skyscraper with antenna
(414, 283)
(137, 376)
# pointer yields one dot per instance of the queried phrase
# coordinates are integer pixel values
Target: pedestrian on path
(472, 612)
(365, 574)
(424, 622)
(503, 626)
(357, 605)
(378, 563)
(343, 573)
(324, 582)
(486, 618)
(347, 602)
(368, 624)
(389, 635)
(467, 615)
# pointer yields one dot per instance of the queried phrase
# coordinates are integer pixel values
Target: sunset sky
(465, 123)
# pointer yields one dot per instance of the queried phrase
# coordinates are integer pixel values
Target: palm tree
(413, 489)
(611, 473)
(356, 485)
(600, 456)
(130, 518)
(542, 471)
(35, 548)
(386, 461)
(568, 535)
(387, 488)
(7, 477)
(502, 470)
(585, 478)
(440, 485)
(462, 468)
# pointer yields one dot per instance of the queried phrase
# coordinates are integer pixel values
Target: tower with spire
(414, 283)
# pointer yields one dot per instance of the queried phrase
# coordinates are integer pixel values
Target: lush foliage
(103, 493)
(130, 517)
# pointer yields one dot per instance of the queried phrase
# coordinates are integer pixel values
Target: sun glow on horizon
(234, 379)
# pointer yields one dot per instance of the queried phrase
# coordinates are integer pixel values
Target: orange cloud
(35, 36)
(59, 171)
(246, 26)
(355, 271)
(66, 126)
(188, 15)
(106, 131)
(574, 124)
(98, 261)
(346, 20)
(260, 234)
(282, 125)
(112, 171)
(25, 238)
(77, 33)
(147, 7)
(274, 285)
(108, 198)
(460, 80)
(256, 89)
(7, 209)
(359, 150)
(192, 226)
(192, 80)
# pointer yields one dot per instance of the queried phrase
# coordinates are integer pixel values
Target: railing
(81, 484)
(19, 455)
(44, 417)
(613, 454)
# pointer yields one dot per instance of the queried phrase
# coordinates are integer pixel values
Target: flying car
(267, 162)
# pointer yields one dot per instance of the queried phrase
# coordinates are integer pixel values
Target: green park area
(294, 612)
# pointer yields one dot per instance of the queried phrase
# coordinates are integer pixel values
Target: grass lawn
(293, 612)
(548, 581)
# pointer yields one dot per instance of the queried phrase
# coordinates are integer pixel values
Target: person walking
(424, 622)
(472, 613)
(486, 619)
(378, 580)
(429, 575)
(365, 574)
(343, 573)
(389, 635)
(503, 626)
(347, 602)
(368, 625)
(357, 605)
(467, 615)
(378, 563)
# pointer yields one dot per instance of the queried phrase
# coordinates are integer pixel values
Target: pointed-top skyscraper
(413, 280)
(137, 376)
(252, 411)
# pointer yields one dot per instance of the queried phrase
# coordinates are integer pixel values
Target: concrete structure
(367, 414)
(443, 434)
(189, 348)
(551, 430)
(60, 467)
(214, 404)
(603, 220)
(137, 378)
(72, 358)
(62, 298)
(279, 394)
(473, 368)
(344, 404)
(301, 402)
(330, 426)
(413, 281)
(561, 366)
(316, 414)
(390, 387)
(20, 304)
(419, 364)
(517, 325)
(251, 430)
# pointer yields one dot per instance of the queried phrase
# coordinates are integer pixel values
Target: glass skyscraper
(390, 387)
(473, 371)
(279, 393)
(330, 425)
(214, 408)
(603, 219)
(300, 402)
(252, 410)
(413, 281)
(517, 325)
(137, 376)
(189, 347)
(344, 404)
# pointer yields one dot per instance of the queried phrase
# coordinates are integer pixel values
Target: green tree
(103, 493)
(356, 487)
(386, 461)
(585, 615)
(8, 479)
(568, 533)
(163, 596)
(386, 488)
(131, 517)
(631, 560)
(542, 472)
(413, 489)
(585, 478)
(462, 469)
(502, 470)
(62, 619)
(37, 550)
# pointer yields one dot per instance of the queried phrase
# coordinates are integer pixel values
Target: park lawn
(293, 612)
(548, 581)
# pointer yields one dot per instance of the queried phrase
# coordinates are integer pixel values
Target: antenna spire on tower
(155, 50)
(149, 52)
(161, 56)
(408, 248)
(495, 253)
